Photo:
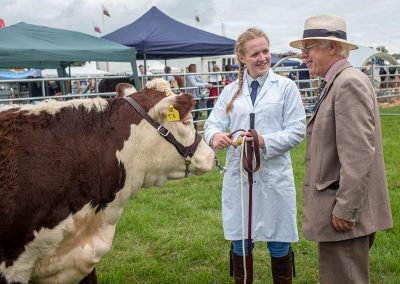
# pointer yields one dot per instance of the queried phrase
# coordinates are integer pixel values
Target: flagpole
(102, 13)
(104, 31)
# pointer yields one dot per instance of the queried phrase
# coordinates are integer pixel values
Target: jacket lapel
(328, 87)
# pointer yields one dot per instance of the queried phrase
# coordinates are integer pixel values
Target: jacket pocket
(331, 184)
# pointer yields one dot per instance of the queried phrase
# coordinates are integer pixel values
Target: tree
(381, 48)
(396, 55)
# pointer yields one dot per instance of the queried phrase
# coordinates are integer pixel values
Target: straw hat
(327, 27)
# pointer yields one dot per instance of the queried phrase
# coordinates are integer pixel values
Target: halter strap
(185, 151)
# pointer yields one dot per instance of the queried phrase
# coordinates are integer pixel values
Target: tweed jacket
(344, 166)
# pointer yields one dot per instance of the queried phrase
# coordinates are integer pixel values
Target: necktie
(321, 86)
(253, 94)
(320, 93)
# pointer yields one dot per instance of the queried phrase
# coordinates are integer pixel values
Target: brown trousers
(345, 261)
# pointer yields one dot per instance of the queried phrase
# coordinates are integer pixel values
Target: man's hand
(341, 225)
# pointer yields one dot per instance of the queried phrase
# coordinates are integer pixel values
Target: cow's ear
(184, 104)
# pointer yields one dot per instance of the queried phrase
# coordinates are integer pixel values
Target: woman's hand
(249, 137)
(222, 141)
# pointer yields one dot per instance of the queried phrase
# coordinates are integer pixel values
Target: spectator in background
(230, 77)
(91, 86)
(217, 79)
(392, 82)
(171, 79)
(383, 74)
(303, 74)
(141, 70)
(194, 81)
(167, 70)
(54, 88)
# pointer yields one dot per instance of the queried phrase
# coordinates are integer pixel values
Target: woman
(280, 124)
(218, 81)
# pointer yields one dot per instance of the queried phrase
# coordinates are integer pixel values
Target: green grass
(174, 234)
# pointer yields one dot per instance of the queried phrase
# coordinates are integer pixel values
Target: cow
(68, 168)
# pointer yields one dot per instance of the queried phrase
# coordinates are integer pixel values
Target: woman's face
(257, 57)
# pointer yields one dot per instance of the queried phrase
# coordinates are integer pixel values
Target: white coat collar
(272, 77)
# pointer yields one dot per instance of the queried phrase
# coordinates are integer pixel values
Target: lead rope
(252, 151)
(242, 203)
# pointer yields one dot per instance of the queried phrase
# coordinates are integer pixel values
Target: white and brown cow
(68, 168)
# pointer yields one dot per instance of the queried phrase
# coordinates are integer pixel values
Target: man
(193, 80)
(345, 194)
(142, 71)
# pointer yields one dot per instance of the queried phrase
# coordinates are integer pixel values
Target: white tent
(157, 67)
(154, 66)
(89, 69)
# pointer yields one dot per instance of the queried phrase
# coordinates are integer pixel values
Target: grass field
(174, 234)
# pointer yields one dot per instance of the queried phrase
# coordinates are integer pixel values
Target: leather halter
(185, 151)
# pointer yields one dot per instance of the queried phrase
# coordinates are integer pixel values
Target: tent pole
(61, 73)
(134, 70)
(145, 66)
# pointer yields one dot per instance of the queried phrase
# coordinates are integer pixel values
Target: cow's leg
(90, 278)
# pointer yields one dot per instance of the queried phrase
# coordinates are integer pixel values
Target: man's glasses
(307, 49)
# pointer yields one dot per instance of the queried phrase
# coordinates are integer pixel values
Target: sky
(369, 22)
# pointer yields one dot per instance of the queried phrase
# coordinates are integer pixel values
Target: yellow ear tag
(172, 114)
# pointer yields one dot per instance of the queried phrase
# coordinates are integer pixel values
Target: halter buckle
(163, 131)
(187, 163)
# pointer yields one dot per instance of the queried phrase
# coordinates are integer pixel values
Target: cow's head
(162, 161)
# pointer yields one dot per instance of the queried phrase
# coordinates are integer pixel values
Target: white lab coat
(280, 119)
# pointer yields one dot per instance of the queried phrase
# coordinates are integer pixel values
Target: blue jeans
(276, 249)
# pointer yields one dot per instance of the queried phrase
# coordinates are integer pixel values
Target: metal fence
(387, 88)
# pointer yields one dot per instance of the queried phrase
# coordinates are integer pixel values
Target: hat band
(324, 33)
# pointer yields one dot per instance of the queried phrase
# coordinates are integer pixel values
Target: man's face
(141, 69)
(257, 57)
(317, 59)
(192, 69)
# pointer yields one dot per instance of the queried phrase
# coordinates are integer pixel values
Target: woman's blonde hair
(250, 34)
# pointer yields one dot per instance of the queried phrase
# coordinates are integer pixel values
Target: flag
(97, 29)
(106, 12)
(2, 24)
(197, 18)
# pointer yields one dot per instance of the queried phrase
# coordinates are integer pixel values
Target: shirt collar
(261, 79)
(333, 68)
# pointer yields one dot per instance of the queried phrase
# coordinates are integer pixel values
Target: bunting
(97, 29)
(106, 12)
